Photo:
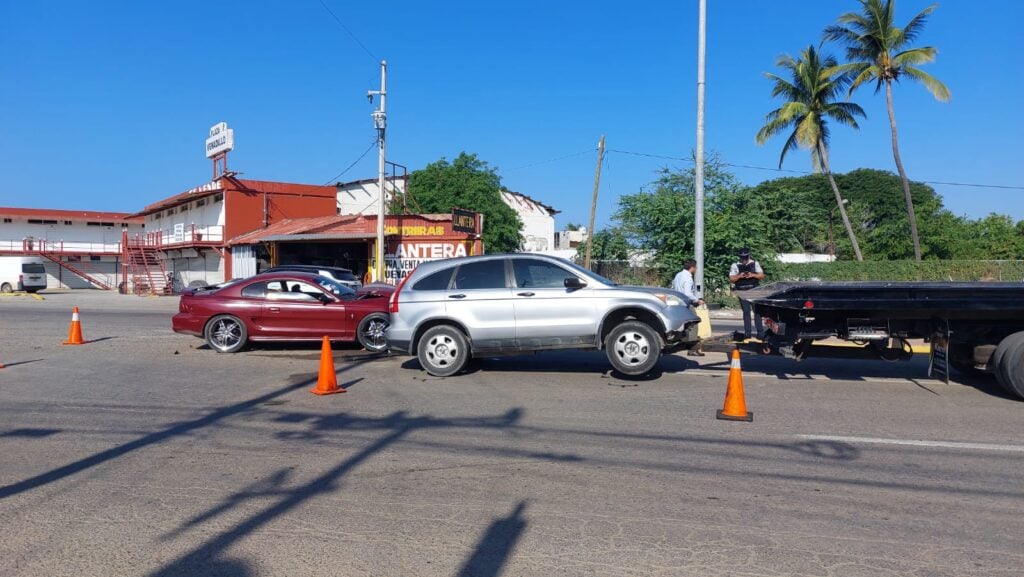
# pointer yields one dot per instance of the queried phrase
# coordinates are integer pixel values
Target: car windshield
(588, 273)
(335, 288)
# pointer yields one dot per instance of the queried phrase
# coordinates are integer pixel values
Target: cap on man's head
(744, 252)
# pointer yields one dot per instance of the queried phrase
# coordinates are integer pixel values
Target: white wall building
(86, 242)
(566, 239)
(538, 221)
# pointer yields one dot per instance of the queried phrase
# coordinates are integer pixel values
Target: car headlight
(670, 300)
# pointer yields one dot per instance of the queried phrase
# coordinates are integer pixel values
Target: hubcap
(632, 349)
(374, 333)
(442, 350)
(226, 334)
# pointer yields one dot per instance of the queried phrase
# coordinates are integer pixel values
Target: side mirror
(574, 283)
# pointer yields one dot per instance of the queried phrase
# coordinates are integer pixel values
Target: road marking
(913, 443)
(798, 376)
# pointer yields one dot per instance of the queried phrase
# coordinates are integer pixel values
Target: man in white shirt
(683, 284)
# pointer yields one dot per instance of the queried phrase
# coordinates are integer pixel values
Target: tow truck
(971, 326)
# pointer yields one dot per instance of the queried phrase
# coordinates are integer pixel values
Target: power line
(373, 143)
(771, 169)
(550, 160)
(345, 28)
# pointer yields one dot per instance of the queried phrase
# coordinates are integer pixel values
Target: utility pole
(593, 202)
(380, 121)
(698, 229)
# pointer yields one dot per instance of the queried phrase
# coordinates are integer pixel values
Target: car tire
(370, 332)
(226, 334)
(6, 288)
(633, 348)
(443, 350)
(996, 360)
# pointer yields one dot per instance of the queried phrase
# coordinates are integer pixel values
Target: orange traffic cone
(735, 408)
(327, 380)
(75, 332)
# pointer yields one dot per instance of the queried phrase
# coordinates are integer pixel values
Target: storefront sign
(222, 139)
(415, 230)
(463, 220)
(409, 255)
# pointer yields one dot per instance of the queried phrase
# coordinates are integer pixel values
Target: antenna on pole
(380, 121)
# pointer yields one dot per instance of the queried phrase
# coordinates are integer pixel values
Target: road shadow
(205, 559)
(7, 365)
(496, 545)
(29, 433)
(594, 362)
(172, 431)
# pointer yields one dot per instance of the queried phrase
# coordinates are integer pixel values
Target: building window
(41, 221)
(7, 220)
(67, 222)
(184, 208)
(95, 223)
(170, 212)
(157, 216)
(95, 257)
(200, 202)
(218, 198)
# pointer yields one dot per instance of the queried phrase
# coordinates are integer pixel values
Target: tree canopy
(468, 182)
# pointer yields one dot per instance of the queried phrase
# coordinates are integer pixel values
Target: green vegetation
(810, 99)
(468, 182)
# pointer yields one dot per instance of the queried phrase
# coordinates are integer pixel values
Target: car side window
(256, 290)
(436, 282)
(486, 274)
(531, 273)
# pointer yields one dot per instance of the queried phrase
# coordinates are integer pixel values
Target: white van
(23, 273)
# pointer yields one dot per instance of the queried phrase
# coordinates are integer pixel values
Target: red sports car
(284, 306)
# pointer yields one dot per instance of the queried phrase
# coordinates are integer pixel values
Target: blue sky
(105, 105)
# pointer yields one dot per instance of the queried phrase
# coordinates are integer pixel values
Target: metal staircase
(81, 269)
(144, 268)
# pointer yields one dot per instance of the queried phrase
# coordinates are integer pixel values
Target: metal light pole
(380, 118)
(698, 230)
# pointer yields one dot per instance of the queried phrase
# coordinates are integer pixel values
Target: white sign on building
(222, 139)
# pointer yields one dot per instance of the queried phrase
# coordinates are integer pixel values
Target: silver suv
(449, 310)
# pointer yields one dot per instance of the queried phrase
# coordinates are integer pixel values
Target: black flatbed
(997, 301)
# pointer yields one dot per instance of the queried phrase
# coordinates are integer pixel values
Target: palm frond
(914, 56)
(934, 85)
(916, 24)
(790, 145)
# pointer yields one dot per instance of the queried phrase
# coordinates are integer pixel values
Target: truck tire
(996, 360)
(1011, 369)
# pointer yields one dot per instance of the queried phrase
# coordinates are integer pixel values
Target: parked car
(450, 310)
(342, 275)
(22, 273)
(283, 306)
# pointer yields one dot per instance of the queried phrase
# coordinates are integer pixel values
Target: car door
(548, 314)
(480, 299)
(295, 309)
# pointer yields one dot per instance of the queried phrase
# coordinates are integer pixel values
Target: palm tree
(879, 51)
(811, 99)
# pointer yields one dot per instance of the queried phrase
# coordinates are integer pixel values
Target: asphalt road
(144, 453)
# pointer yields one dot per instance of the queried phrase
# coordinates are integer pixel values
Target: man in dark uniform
(745, 275)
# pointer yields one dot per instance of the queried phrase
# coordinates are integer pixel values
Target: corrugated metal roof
(319, 236)
(90, 215)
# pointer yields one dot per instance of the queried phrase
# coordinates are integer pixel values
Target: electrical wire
(345, 28)
(770, 169)
(550, 160)
(355, 162)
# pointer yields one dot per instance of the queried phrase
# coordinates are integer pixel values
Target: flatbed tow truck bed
(975, 326)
